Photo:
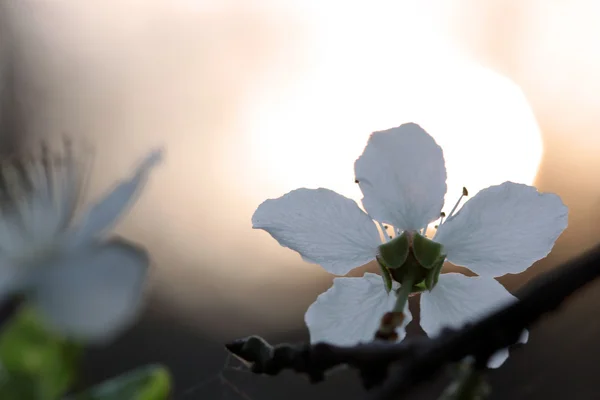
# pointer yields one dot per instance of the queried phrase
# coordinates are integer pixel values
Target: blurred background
(253, 99)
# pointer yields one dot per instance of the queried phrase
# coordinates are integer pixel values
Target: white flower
(86, 287)
(503, 229)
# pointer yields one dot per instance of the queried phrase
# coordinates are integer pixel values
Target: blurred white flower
(85, 286)
(503, 229)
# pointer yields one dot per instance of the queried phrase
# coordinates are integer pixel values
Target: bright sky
(373, 68)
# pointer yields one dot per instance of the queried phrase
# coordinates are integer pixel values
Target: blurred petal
(351, 310)
(498, 358)
(94, 294)
(54, 182)
(326, 228)
(13, 240)
(104, 214)
(524, 336)
(504, 229)
(458, 300)
(403, 177)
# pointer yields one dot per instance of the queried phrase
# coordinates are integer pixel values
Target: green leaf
(469, 384)
(37, 363)
(393, 254)
(152, 382)
(427, 252)
(18, 387)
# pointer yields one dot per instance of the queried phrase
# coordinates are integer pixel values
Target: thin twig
(315, 360)
(421, 358)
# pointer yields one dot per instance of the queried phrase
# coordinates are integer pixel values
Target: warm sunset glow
(310, 135)
(253, 100)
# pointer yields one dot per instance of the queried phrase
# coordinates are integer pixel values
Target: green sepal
(152, 382)
(434, 273)
(393, 254)
(387, 277)
(419, 287)
(427, 252)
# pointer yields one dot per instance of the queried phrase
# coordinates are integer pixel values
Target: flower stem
(393, 320)
(404, 292)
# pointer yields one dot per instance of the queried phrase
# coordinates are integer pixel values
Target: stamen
(385, 228)
(48, 169)
(384, 231)
(423, 231)
(12, 184)
(55, 173)
(464, 194)
(74, 175)
(442, 215)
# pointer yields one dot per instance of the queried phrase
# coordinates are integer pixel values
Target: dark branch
(371, 359)
(422, 358)
(500, 329)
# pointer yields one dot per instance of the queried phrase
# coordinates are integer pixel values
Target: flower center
(38, 195)
(411, 259)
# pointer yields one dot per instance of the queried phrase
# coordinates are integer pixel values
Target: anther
(356, 181)
(465, 193)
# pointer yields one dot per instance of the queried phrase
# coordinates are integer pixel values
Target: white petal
(458, 299)
(104, 214)
(351, 310)
(498, 358)
(403, 177)
(503, 229)
(94, 294)
(524, 337)
(326, 228)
